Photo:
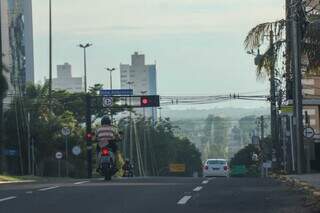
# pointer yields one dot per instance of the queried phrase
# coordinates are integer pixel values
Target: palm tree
(310, 43)
(258, 37)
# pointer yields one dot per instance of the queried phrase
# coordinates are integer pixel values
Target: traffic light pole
(88, 131)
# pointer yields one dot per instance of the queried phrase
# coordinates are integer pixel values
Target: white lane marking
(82, 182)
(198, 188)
(8, 198)
(205, 182)
(184, 200)
(49, 188)
(29, 192)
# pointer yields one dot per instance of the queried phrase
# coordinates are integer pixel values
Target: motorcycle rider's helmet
(127, 160)
(105, 120)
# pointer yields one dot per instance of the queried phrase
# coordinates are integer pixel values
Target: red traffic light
(89, 136)
(144, 101)
(150, 101)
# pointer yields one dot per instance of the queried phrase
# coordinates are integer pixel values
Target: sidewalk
(312, 179)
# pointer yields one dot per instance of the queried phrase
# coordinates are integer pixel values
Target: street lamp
(84, 47)
(110, 70)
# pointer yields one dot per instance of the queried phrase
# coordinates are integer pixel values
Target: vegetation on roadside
(30, 111)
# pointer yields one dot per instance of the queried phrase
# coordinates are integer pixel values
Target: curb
(313, 193)
(17, 181)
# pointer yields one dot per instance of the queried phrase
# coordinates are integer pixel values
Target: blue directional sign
(116, 92)
(10, 152)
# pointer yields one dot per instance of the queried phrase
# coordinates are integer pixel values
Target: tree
(259, 37)
(3, 92)
(164, 147)
(45, 130)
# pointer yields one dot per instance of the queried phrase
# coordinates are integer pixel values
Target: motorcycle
(128, 172)
(107, 165)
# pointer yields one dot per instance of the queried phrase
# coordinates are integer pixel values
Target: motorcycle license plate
(105, 159)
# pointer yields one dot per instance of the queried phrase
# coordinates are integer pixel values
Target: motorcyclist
(127, 166)
(107, 136)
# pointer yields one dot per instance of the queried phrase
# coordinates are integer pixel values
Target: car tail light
(105, 151)
(206, 167)
(225, 168)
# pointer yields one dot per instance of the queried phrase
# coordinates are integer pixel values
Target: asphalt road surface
(152, 195)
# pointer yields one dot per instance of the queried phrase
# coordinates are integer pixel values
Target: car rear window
(216, 162)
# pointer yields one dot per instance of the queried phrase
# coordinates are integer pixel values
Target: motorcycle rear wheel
(106, 171)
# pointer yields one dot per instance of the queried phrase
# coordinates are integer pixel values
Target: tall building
(20, 28)
(65, 81)
(6, 53)
(142, 76)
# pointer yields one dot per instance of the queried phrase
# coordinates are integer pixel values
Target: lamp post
(110, 70)
(84, 47)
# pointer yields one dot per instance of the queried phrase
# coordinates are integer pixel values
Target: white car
(216, 167)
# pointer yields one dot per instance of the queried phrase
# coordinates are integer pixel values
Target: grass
(6, 178)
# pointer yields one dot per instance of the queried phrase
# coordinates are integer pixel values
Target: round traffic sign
(308, 132)
(76, 150)
(107, 101)
(59, 155)
(65, 131)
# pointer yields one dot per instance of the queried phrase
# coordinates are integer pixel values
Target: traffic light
(150, 101)
(89, 136)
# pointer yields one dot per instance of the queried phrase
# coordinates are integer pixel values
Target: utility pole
(84, 47)
(88, 135)
(262, 127)
(130, 83)
(296, 65)
(288, 74)
(160, 110)
(50, 57)
(273, 107)
(145, 163)
(29, 145)
(2, 146)
(110, 70)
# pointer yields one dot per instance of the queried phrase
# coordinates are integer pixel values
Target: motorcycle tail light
(105, 151)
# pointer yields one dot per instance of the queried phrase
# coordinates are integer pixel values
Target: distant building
(6, 58)
(65, 81)
(144, 78)
(20, 27)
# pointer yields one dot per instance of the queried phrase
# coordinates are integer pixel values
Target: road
(152, 195)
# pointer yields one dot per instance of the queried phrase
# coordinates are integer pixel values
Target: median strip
(198, 188)
(8, 198)
(184, 200)
(49, 188)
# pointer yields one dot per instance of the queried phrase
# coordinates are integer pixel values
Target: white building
(65, 81)
(143, 78)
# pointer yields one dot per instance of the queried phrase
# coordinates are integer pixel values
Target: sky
(196, 44)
